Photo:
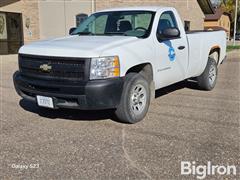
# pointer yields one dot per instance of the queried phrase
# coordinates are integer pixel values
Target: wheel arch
(215, 53)
(146, 70)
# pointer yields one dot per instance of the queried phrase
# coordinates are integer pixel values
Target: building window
(187, 25)
(11, 32)
(80, 18)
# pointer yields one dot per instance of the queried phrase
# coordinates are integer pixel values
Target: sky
(215, 1)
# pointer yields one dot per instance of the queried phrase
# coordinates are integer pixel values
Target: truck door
(172, 54)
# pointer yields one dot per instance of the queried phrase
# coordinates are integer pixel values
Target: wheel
(135, 99)
(207, 80)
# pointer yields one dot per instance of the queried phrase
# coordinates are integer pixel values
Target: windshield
(127, 23)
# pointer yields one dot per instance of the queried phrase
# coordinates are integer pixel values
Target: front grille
(60, 68)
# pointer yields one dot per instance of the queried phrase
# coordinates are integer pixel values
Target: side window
(167, 20)
(143, 20)
(98, 26)
(133, 21)
(125, 23)
(80, 18)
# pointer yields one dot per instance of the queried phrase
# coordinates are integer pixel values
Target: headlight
(105, 67)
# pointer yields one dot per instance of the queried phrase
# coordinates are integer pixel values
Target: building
(220, 20)
(24, 21)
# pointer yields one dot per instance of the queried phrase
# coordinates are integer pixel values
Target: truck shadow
(99, 115)
(190, 84)
(67, 114)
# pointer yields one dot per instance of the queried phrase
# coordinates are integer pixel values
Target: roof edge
(206, 6)
(7, 2)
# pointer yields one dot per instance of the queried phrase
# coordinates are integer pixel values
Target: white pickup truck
(116, 59)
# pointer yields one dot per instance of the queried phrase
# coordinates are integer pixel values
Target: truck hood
(76, 46)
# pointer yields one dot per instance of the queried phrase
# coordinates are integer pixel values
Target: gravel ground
(183, 124)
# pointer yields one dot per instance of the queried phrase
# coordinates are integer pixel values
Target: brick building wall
(29, 10)
(189, 10)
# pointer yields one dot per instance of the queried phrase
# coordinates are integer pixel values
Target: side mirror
(167, 34)
(72, 30)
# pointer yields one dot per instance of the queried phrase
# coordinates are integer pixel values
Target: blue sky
(215, 1)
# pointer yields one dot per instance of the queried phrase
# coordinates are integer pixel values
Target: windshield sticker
(171, 55)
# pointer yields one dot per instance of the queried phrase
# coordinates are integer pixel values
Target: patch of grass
(231, 48)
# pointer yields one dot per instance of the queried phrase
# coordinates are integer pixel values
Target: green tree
(230, 7)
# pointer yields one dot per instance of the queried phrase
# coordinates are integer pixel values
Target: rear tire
(135, 99)
(207, 80)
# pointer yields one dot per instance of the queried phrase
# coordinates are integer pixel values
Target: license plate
(45, 101)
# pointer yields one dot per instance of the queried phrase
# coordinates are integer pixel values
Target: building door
(11, 32)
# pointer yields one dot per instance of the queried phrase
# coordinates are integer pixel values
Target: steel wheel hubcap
(138, 99)
(212, 74)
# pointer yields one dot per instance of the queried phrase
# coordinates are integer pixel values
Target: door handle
(181, 47)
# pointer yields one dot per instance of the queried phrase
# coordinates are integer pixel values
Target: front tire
(135, 99)
(207, 80)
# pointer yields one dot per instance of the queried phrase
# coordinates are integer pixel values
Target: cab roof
(138, 8)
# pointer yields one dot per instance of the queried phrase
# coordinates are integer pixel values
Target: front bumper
(90, 95)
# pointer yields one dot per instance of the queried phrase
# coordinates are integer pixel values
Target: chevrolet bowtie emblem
(45, 68)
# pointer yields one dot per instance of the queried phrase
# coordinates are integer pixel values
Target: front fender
(133, 54)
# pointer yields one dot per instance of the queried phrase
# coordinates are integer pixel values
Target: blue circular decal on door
(171, 55)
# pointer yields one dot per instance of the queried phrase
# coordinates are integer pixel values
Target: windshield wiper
(114, 33)
(130, 33)
(85, 33)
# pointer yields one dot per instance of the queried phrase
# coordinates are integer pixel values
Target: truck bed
(200, 45)
(201, 31)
